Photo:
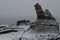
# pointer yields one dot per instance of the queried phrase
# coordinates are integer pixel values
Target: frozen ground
(33, 35)
(27, 35)
(15, 35)
(10, 36)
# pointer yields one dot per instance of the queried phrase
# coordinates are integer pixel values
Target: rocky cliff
(45, 21)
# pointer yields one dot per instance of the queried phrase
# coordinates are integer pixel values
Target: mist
(13, 10)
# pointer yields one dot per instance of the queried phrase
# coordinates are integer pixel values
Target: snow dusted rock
(23, 27)
(45, 25)
(6, 29)
(44, 28)
(34, 35)
(15, 35)
(46, 22)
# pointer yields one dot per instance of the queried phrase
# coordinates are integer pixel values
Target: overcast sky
(25, 8)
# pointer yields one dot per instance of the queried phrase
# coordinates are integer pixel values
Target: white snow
(23, 27)
(4, 25)
(15, 35)
(10, 36)
(31, 34)
(27, 35)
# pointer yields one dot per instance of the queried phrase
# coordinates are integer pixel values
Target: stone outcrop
(48, 15)
(45, 21)
(44, 28)
(39, 11)
(41, 14)
(20, 22)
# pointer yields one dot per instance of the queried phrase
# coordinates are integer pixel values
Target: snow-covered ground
(26, 34)
(23, 27)
(11, 36)
(33, 35)
(15, 35)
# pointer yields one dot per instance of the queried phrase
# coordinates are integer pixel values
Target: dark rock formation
(19, 22)
(44, 28)
(41, 14)
(48, 15)
(39, 11)
(45, 21)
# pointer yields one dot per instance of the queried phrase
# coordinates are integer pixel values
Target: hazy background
(13, 10)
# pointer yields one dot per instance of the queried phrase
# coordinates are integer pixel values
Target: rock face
(39, 11)
(41, 14)
(45, 21)
(44, 28)
(20, 22)
(48, 15)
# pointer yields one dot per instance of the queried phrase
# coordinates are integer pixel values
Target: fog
(13, 10)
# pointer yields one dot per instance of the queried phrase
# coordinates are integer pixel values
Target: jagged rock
(39, 11)
(41, 14)
(44, 28)
(19, 22)
(45, 25)
(45, 21)
(48, 15)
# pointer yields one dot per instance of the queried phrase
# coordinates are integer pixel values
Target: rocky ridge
(45, 21)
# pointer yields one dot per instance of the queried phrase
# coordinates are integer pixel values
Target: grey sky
(25, 8)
